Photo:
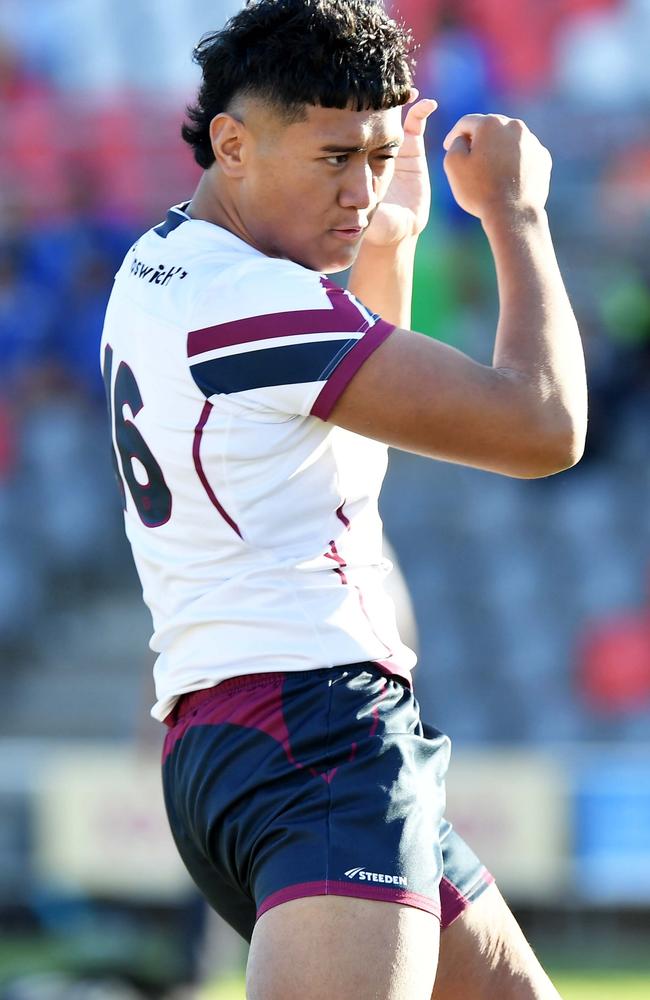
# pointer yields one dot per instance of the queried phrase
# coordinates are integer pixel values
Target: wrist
(503, 218)
(405, 245)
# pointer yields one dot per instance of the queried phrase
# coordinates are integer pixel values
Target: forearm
(382, 278)
(537, 335)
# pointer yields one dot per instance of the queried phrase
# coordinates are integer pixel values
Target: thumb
(466, 126)
(461, 146)
(416, 118)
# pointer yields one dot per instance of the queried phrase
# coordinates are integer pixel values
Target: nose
(359, 188)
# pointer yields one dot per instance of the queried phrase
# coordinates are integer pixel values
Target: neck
(209, 204)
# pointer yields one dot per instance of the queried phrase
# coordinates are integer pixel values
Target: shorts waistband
(188, 702)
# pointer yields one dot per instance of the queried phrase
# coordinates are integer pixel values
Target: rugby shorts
(322, 782)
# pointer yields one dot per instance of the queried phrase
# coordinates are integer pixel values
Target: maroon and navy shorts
(323, 782)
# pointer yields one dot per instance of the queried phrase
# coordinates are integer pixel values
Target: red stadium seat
(614, 663)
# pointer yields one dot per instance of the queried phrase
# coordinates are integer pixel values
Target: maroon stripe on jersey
(198, 465)
(343, 517)
(343, 373)
(343, 317)
(346, 521)
(339, 560)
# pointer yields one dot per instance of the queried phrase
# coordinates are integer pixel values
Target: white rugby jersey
(253, 521)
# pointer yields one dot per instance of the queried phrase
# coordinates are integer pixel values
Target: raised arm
(382, 276)
(526, 415)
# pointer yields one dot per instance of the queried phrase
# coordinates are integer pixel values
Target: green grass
(152, 957)
(228, 989)
(572, 986)
(603, 986)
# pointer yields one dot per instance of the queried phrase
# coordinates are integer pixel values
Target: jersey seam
(338, 357)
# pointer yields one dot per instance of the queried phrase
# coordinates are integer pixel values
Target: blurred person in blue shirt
(26, 323)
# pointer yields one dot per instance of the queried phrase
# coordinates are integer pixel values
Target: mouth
(349, 235)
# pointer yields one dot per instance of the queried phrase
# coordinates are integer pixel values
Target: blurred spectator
(83, 227)
(32, 126)
(457, 68)
(7, 442)
(454, 67)
(26, 323)
(626, 184)
(79, 330)
(601, 55)
(520, 36)
(16, 83)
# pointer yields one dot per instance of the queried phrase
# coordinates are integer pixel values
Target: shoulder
(252, 284)
(279, 293)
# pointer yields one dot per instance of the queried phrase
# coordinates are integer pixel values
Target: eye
(339, 160)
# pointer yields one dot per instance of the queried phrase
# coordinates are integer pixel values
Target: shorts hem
(455, 902)
(334, 888)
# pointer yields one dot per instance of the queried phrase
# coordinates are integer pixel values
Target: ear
(228, 136)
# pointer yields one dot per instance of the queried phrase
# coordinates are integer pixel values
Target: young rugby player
(252, 401)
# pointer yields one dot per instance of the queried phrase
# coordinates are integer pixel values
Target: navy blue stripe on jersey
(287, 365)
(175, 218)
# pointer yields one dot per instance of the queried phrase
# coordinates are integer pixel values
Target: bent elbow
(571, 435)
(574, 447)
(558, 448)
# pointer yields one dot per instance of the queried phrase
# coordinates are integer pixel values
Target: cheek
(309, 202)
(266, 188)
(384, 181)
(291, 193)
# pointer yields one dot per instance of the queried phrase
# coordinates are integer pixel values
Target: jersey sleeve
(288, 341)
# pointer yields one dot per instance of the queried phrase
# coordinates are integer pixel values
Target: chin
(333, 265)
(325, 261)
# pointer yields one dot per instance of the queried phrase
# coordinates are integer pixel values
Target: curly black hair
(333, 53)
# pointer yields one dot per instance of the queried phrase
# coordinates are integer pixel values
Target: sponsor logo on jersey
(365, 876)
(156, 275)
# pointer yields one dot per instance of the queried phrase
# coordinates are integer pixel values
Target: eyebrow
(393, 144)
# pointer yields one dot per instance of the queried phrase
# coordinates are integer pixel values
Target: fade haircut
(291, 53)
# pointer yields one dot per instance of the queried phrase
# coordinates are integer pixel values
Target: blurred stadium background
(531, 598)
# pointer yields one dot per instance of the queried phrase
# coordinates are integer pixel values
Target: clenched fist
(494, 163)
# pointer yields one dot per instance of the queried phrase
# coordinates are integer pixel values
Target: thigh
(337, 947)
(484, 956)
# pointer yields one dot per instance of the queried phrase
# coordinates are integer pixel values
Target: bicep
(421, 395)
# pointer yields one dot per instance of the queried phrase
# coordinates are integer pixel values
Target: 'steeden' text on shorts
(364, 876)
